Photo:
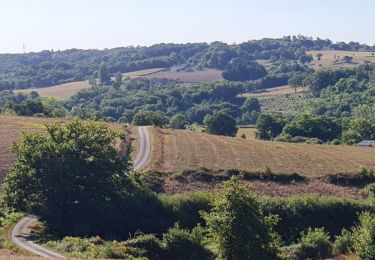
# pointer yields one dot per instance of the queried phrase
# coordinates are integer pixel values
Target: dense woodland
(51, 67)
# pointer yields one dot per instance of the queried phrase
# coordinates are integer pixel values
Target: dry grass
(248, 131)
(62, 91)
(178, 150)
(328, 58)
(274, 91)
(199, 76)
(140, 73)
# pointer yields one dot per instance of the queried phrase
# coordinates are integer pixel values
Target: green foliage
(143, 118)
(364, 237)
(154, 181)
(269, 126)
(145, 245)
(237, 226)
(184, 244)
(221, 123)
(343, 243)
(103, 74)
(321, 127)
(251, 104)
(185, 208)
(244, 70)
(359, 130)
(315, 243)
(178, 122)
(298, 213)
(67, 176)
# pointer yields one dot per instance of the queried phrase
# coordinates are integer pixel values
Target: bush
(343, 243)
(237, 226)
(153, 180)
(145, 245)
(369, 191)
(184, 244)
(364, 237)
(185, 208)
(362, 178)
(298, 213)
(315, 243)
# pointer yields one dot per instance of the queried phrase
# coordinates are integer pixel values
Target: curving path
(20, 236)
(20, 233)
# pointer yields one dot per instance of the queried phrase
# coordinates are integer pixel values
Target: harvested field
(141, 73)
(10, 129)
(199, 76)
(332, 58)
(62, 91)
(248, 131)
(178, 150)
(274, 91)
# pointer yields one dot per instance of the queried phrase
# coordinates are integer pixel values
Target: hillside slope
(177, 150)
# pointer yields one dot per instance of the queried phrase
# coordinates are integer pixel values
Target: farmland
(62, 91)
(274, 91)
(178, 150)
(199, 76)
(333, 58)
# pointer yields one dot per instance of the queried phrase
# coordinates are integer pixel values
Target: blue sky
(64, 24)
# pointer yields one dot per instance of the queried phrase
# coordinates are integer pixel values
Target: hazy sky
(64, 24)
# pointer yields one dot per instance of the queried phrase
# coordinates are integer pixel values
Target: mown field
(199, 76)
(62, 91)
(10, 129)
(334, 58)
(274, 91)
(178, 150)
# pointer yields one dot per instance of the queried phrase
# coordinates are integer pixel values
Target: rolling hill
(178, 150)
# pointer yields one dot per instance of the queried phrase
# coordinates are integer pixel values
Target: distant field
(274, 91)
(177, 150)
(285, 103)
(328, 58)
(199, 76)
(10, 129)
(141, 73)
(62, 91)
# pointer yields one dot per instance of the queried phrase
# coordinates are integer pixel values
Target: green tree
(296, 80)
(221, 123)
(237, 226)
(269, 126)
(178, 122)
(71, 177)
(251, 104)
(364, 237)
(143, 118)
(359, 130)
(103, 74)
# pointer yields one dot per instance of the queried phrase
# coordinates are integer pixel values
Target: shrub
(343, 243)
(153, 180)
(237, 226)
(184, 244)
(185, 208)
(315, 243)
(145, 245)
(369, 191)
(363, 177)
(297, 213)
(364, 237)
